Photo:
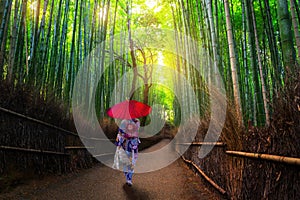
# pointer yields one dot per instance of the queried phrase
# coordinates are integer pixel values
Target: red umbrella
(129, 109)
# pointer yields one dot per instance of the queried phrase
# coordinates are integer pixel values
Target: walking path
(173, 182)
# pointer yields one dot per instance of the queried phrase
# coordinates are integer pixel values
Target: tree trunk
(45, 54)
(39, 62)
(54, 49)
(17, 65)
(213, 40)
(68, 85)
(233, 61)
(265, 101)
(295, 26)
(132, 53)
(251, 43)
(60, 64)
(3, 33)
(33, 67)
(13, 40)
(247, 94)
(288, 51)
(276, 76)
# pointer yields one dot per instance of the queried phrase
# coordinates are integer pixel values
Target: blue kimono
(128, 139)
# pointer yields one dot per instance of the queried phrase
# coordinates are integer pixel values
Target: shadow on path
(134, 193)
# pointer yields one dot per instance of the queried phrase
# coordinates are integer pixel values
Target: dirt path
(174, 182)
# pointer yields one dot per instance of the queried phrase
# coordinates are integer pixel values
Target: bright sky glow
(160, 59)
(151, 4)
(136, 9)
(33, 5)
(102, 13)
(161, 64)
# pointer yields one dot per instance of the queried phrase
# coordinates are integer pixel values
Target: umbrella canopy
(129, 109)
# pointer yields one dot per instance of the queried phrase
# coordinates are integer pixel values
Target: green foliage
(38, 52)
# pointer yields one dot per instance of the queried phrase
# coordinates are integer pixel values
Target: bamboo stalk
(33, 150)
(276, 158)
(221, 190)
(261, 73)
(204, 143)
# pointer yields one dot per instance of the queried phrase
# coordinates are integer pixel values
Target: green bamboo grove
(255, 45)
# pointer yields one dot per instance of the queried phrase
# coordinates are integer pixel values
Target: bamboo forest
(213, 87)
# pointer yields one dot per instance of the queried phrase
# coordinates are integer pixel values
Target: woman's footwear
(129, 183)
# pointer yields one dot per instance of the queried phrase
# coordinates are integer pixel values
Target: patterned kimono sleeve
(119, 140)
(123, 125)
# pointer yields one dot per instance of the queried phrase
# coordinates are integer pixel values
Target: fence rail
(33, 150)
(268, 157)
(220, 144)
(221, 190)
(51, 125)
(40, 151)
(78, 147)
(276, 158)
(37, 121)
(260, 156)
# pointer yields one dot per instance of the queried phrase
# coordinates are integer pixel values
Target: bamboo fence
(22, 136)
(275, 158)
(221, 190)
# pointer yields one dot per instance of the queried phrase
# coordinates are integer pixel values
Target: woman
(128, 139)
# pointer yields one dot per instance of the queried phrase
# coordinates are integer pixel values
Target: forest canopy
(254, 46)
